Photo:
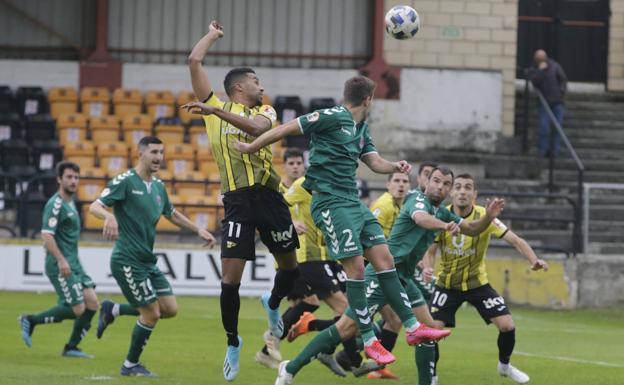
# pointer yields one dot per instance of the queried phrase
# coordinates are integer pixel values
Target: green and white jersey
(337, 143)
(61, 219)
(408, 242)
(137, 206)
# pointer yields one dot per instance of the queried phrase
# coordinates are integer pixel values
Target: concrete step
(589, 176)
(606, 248)
(549, 238)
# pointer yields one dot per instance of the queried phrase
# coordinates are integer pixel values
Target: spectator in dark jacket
(548, 77)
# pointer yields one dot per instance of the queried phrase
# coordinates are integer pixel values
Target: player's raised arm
(201, 85)
(269, 137)
(255, 127)
(180, 220)
(493, 210)
(429, 222)
(526, 250)
(382, 166)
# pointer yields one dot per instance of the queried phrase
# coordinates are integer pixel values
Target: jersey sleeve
(368, 147)
(213, 100)
(314, 122)
(269, 113)
(419, 206)
(168, 208)
(449, 216)
(51, 215)
(497, 228)
(115, 191)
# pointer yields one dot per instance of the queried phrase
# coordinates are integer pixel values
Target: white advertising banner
(191, 272)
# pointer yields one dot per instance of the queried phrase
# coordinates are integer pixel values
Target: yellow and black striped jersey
(462, 264)
(311, 244)
(386, 212)
(239, 170)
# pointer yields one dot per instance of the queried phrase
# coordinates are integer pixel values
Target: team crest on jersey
(105, 192)
(269, 112)
(313, 117)
(52, 222)
(419, 205)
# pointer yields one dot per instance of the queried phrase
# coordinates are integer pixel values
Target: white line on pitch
(570, 359)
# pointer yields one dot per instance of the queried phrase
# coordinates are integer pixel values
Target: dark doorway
(573, 32)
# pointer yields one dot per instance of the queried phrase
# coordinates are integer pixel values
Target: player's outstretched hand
(244, 148)
(494, 207)
(403, 166)
(300, 227)
(110, 231)
(64, 268)
(199, 108)
(540, 264)
(206, 236)
(452, 228)
(427, 274)
(215, 28)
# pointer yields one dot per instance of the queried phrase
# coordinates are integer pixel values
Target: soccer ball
(402, 22)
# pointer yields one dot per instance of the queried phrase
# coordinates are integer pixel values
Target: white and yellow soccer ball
(402, 22)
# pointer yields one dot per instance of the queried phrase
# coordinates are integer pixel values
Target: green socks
(82, 325)
(324, 342)
(124, 309)
(397, 298)
(425, 362)
(140, 335)
(356, 295)
(53, 315)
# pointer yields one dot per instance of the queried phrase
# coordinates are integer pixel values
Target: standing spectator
(548, 77)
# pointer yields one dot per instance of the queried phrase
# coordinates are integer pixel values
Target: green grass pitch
(568, 347)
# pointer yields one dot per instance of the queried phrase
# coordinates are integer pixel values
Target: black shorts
(322, 278)
(444, 303)
(256, 208)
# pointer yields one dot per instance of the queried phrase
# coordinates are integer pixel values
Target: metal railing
(587, 187)
(580, 167)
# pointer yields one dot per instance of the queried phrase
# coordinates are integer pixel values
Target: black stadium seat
(20, 175)
(318, 103)
(31, 101)
(14, 152)
(45, 182)
(288, 108)
(7, 100)
(45, 154)
(11, 126)
(40, 127)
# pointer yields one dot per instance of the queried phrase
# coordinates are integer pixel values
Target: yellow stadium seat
(104, 128)
(199, 137)
(278, 154)
(203, 217)
(95, 101)
(63, 100)
(81, 153)
(180, 158)
(113, 157)
(183, 98)
(160, 104)
(127, 102)
(170, 133)
(135, 127)
(279, 169)
(90, 189)
(165, 224)
(167, 177)
(72, 128)
(190, 183)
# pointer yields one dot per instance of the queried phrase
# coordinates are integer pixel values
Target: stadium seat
(203, 217)
(198, 135)
(164, 224)
(95, 101)
(92, 182)
(169, 130)
(113, 157)
(81, 153)
(278, 154)
(63, 100)
(135, 127)
(31, 101)
(207, 164)
(30, 213)
(190, 183)
(288, 108)
(319, 103)
(167, 177)
(14, 152)
(45, 182)
(104, 128)
(127, 102)
(46, 154)
(160, 104)
(71, 128)
(89, 221)
(183, 98)
(7, 100)
(21, 174)
(39, 127)
(11, 126)
(179, 158)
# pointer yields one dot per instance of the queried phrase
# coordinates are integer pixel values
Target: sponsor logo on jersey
(137, 192)
(313, 117)
(378, 236)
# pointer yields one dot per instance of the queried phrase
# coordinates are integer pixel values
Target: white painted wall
(42, 73)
